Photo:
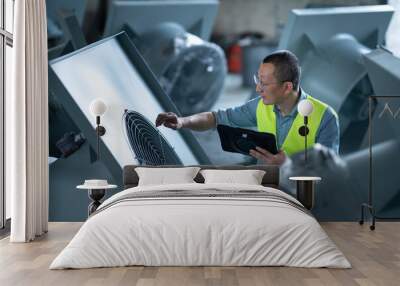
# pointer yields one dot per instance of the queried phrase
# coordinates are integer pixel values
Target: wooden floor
(375, 257)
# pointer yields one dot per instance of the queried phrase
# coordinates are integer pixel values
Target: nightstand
(305, 190)
(96, 191)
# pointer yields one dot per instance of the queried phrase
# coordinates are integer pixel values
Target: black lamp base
(95, 195)
(303, 130)
(305, 193)
(100, 130)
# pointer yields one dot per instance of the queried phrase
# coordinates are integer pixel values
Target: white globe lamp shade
(305, 107)
(98, 107)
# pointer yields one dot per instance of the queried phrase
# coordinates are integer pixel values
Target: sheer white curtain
(27, 123)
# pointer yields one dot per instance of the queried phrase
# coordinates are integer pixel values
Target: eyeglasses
(263, 86)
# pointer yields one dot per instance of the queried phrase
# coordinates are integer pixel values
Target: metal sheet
(105, 70)
(197, 17)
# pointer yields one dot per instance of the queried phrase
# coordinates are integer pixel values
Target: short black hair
(286, 66)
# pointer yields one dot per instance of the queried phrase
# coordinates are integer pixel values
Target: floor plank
(374, 255)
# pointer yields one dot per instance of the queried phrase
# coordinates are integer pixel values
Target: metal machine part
(383, 189)
(344, 184)
(53, 10)
(384, 73)
(336, 196)
(114, 71)
(345, 181)
(171, 36)
(148, 145)
(331, 55)
(191, 71)
(195, 16)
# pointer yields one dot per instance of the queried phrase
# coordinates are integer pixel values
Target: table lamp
(98, 108)
(305, 108)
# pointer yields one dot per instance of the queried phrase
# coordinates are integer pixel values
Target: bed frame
(270, 179)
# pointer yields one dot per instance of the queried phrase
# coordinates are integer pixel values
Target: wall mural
(141, 73)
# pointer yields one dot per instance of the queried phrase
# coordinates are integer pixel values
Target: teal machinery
(114, 71)
(346, 180)
(330, 48)
(343, 65)
(54, 11)
(173, 38)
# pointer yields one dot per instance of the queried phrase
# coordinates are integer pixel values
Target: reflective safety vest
(294, 142)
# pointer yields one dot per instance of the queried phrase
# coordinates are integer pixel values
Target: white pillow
(248, 177)
(163, 176)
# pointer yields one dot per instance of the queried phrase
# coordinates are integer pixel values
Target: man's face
(270, 89)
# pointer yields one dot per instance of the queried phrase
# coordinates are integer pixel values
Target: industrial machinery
(54, 8)
(195, 16)
(172, 37)
(112, 70)
(330, 48)
(191, 71)
(342, 66)
(339, 66)
(346, 180)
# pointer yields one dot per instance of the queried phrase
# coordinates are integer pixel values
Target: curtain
(27, 123)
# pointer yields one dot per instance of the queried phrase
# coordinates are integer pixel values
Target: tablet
(241, 140)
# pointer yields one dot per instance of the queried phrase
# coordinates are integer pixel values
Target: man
(275, 111)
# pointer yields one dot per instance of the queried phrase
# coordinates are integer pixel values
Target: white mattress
(200, 231)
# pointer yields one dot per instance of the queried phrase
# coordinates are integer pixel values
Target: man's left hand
(267, 157)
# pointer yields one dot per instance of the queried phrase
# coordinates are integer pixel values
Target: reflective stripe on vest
(294, 142)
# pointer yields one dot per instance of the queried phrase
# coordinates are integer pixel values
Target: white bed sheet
(200, 231)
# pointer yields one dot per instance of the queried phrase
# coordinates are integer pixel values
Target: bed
(201, 224)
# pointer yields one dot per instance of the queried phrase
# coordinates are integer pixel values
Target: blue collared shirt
(244, 116)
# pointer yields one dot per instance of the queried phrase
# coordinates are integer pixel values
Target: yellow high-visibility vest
(294, 142)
